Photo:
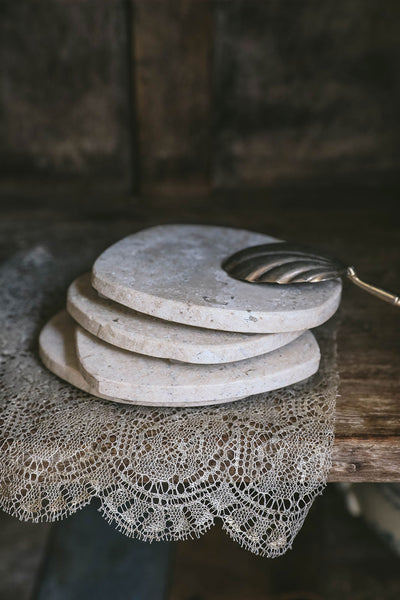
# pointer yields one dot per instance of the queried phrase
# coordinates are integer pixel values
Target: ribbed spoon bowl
(285, 263)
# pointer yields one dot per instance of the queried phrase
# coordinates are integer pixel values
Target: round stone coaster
(137, 332)
(57, 350)
(145, 380)
(174, 272)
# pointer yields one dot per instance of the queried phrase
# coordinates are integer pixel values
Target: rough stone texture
(305, 88)
(121, 376)
(57, 350)
(137, 332)
(144, 380)
(63, 91)
(174, 272)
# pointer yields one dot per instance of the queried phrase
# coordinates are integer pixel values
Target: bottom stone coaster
(58, 353)
(145, 380)
(57, 350)
(137, 332)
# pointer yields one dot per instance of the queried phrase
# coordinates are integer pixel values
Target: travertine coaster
(57, 350)
(137, 332)
(142, 379)
(174, 272)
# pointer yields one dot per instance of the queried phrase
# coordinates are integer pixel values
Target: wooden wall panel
(172, 46)
(305, 89)
(63, 100)
(181, 96)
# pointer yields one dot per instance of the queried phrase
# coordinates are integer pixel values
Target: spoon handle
(387, 296)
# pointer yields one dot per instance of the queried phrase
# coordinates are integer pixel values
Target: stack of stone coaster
(158, 322)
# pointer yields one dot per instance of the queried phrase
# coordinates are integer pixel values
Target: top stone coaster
(137, 332)
(174, 272)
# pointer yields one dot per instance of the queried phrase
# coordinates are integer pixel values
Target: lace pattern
(159, 473)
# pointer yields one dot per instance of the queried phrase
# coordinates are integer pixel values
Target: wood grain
(171, 54)
(304, 88)
(367, 444)
(63, 101)
(186, 95)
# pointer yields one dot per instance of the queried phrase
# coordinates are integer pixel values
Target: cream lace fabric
(159, 473)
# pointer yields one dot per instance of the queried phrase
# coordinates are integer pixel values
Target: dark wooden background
(130, 98)
(276, 115)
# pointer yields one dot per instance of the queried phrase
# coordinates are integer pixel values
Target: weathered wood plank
(88, 558)
(304, 88)
(372, 458)
(172, 43)
(63, 94)
(367, 444)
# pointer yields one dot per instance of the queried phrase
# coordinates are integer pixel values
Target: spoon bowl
(285, 263)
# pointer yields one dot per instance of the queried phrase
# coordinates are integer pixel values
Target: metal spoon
(290, 263)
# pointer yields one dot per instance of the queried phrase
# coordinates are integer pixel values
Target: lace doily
(159, 473)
